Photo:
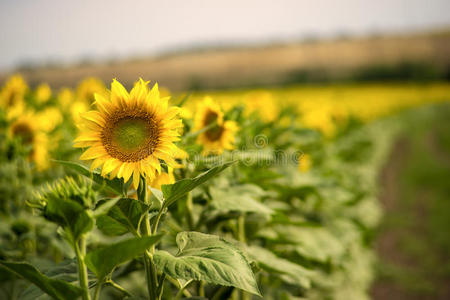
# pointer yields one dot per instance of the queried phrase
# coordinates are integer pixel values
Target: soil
(405, 273)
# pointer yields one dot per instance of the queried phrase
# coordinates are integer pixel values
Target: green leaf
(55, 288)
(103, 261)
(104, 206)
(70, 215)
(158, 199)
(241, 198)
(209, 258)
(288, 271)
(176, 191)
(112, 185)
(123, 217)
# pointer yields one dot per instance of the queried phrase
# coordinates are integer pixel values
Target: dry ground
(258, 65)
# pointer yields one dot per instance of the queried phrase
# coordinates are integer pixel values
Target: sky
(39, 31)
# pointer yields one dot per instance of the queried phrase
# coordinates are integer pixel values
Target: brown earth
(415, 271)
(234, 67)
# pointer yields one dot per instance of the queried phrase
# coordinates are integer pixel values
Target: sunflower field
(116, 193)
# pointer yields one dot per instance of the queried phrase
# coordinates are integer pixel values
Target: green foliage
(242, 198)
(56, 288)
(175, 191)
(123, 217)
(288, 271)
(112, 185)
(209, 258)
(103, 261)
(263, 227)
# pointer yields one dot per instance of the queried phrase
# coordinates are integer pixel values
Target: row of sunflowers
(220, 195)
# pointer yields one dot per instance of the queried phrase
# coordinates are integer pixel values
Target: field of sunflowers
(113, 193)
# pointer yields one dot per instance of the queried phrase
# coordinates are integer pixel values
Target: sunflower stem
(118, 287)
(150, 270)
(242, 239)
(97, 290)
(189, 211)
(182, 289)
(80, 251)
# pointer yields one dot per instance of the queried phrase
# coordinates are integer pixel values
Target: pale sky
(43, 30)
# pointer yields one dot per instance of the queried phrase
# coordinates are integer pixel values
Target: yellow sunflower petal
(93, 152)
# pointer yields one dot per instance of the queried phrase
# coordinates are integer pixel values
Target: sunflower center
(130, 135)
(24, 132)
(11, 98)
(214, 133)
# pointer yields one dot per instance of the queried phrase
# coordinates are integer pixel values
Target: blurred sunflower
(26, 129)
(168, 177)
(49, 118)
(12, 96)
(43, 93)
(76, 109)
(263, 103)
(163, 178)
(130, 132)
(88, 87)
(218, 134)
(304, 163)
(65, 98)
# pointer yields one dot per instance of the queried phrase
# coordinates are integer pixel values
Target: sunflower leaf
(288, 271)
(123, 217)
(209, 258)
(103, 261)
(242, 198)
(70, 215)
(112, 185)
(56, 288)
(174, 192)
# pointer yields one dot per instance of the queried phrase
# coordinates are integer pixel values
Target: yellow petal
(127, 171)
(118, 93)
(93, 152)
(136, 176)
(103, 104)
(94, 116)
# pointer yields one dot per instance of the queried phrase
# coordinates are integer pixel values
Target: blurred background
(215, 45)
(200, 44)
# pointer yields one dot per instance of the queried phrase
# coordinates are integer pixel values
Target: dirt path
(414, 241)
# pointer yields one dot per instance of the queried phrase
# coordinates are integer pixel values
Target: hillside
(283, 63)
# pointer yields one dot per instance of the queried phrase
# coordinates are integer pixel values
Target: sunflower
(88, 87)
(77, 108)
(43, 93)
(49, 118)
(163, 178)
(65, 98)
(26, 129)
(304, 163)
(169, 178)
(220, 135)
(130, 132)
(12, 96)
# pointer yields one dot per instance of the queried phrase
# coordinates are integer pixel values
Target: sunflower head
(25, 129)
(88, 87)
(263, 103)
(304, 163)
(43, 93)
(219, 134)
(68, 189)
(49, 118)
(13, 92)
(65, 98)
(130, 133)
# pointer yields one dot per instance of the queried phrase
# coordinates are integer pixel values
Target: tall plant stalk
(80, 251)
(150, 270)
